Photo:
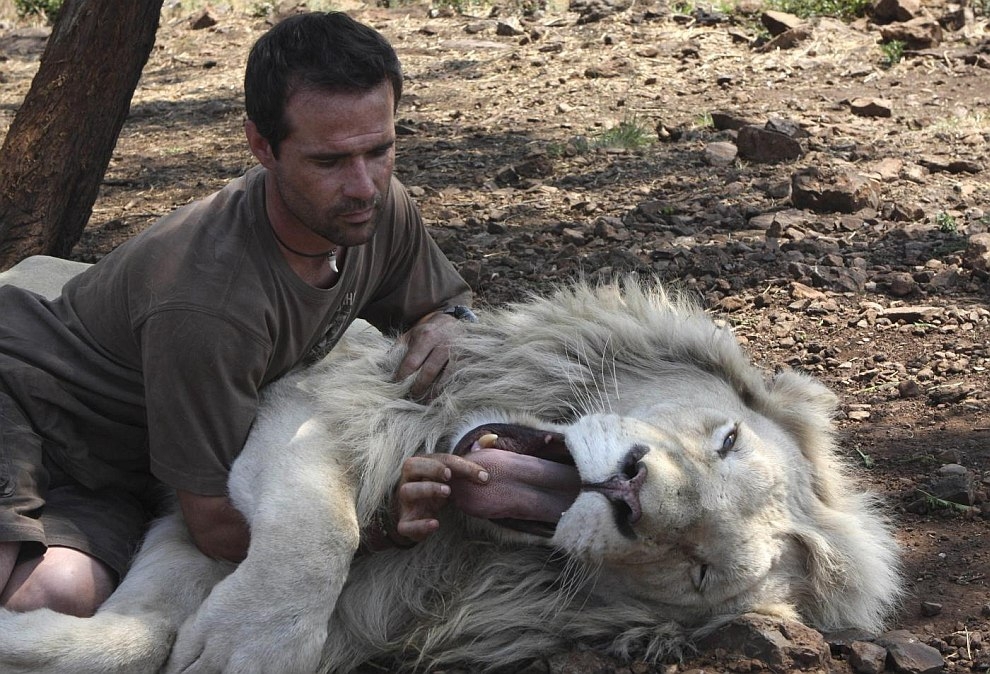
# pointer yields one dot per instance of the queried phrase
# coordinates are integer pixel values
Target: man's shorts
(41, 506)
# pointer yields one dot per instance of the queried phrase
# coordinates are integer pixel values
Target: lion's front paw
(246, 632)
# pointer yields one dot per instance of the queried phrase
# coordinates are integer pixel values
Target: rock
(843, 192)
(885, 11)
(912, 314)
(202, 20)
(781, 644)
(573, 236)
(908, 389)
(959, 489)
(920, 33)
(788, 39)
(767, 147)
(595, 10)
(723, 121)
(930, 608)
(908, 655)
(800, 291)
(977, 254)
(889, 169)
(957, 18)
(779, 23)
(870, 107)
(532, 167)
(721, 153)
(508, 28)
(951, 166)
(901, 284)
(867, 658)
(786, 127)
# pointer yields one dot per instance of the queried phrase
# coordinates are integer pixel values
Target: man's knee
(63, 580)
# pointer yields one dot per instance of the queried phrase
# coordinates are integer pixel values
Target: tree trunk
(61, 140)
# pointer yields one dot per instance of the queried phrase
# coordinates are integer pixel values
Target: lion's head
(624, 427)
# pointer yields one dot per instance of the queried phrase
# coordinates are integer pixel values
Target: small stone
(202, 20)
(871, 107)
(778, 23)
(930, 608)
(919, 33)
(908, 654)
(826, 192)
(908, 389)
(720, 153)
(508, 28)
(885, 11)
(867, 658)
(765, 146)
(901, 284)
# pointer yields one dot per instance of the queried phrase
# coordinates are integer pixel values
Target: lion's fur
(610, 363)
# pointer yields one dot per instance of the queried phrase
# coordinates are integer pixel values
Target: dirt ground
(501, 143)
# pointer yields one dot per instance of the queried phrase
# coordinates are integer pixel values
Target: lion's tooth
(487, 441)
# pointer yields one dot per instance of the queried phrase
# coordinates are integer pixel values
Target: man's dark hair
(322, 51)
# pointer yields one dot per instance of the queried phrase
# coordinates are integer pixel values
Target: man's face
(333, 169)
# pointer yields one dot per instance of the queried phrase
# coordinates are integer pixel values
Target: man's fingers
(410, 363)
(425, 468)
(429, 372)
(441, 468)
(417, 530)
(464, 469)
(420, 492)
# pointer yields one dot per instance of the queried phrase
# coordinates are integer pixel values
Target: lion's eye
(728, 442)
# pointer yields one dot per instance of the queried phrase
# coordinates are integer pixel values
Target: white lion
(692, 489)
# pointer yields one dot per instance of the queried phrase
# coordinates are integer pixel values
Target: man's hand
(429, 349)
(424, 489)
(217, 528)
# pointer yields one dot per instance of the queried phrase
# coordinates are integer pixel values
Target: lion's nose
(622, 489)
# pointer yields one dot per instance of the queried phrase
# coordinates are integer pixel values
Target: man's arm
(217, 528)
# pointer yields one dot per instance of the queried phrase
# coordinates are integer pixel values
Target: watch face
(461, 313)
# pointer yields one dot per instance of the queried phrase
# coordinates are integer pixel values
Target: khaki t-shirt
(152, 359)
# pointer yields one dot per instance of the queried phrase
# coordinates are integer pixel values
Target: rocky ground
(832, 206)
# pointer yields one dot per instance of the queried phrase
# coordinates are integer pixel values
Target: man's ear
(260, 147)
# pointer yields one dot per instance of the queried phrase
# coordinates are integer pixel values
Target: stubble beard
(334, 229)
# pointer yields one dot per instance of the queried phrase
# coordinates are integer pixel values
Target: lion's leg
(134, 629)
(272, 613)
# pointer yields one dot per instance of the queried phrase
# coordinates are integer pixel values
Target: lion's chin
(532, 482)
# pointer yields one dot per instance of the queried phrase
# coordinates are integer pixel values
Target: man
(147, 369)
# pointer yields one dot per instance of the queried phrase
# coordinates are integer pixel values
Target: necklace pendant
(332, 261)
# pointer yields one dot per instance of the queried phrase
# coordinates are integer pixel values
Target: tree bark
(60, 142)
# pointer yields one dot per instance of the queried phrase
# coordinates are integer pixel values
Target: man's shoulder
(200, 253)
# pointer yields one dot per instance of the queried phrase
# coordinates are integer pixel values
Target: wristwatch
(461, 313)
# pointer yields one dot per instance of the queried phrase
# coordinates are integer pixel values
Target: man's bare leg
(63, 579)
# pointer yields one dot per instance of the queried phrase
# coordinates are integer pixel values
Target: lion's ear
(805, 408)
(804, 394)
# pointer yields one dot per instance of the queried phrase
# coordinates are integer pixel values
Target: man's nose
(358, 181)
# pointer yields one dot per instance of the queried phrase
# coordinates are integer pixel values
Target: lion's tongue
(519, 487)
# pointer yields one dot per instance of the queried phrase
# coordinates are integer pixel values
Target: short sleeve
(202, 378)
(420, 278)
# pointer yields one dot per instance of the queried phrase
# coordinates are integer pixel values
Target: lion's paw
(236, 632)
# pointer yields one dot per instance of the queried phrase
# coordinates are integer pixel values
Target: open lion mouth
(532, 481)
